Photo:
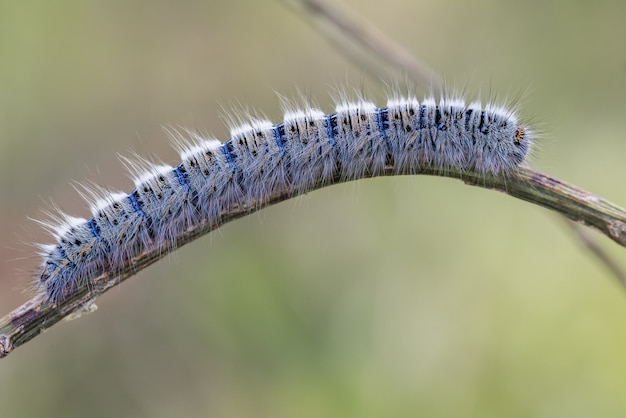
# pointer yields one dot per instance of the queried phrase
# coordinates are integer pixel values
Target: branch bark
(37, 315)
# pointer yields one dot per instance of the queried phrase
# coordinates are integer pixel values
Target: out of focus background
(407, 296)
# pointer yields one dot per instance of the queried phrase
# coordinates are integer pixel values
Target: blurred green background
(409, 296)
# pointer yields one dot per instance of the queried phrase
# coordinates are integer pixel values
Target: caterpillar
(307, 148)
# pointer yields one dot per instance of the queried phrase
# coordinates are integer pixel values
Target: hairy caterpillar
(307, 148)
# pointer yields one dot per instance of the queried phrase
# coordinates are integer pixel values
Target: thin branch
(37, 315)
(591, 244)
(364, 35)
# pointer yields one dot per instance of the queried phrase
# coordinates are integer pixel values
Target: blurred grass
(408, 296)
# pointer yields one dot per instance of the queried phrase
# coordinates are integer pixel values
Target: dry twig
(35, 316)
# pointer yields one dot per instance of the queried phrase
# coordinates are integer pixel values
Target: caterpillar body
(308, 147)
